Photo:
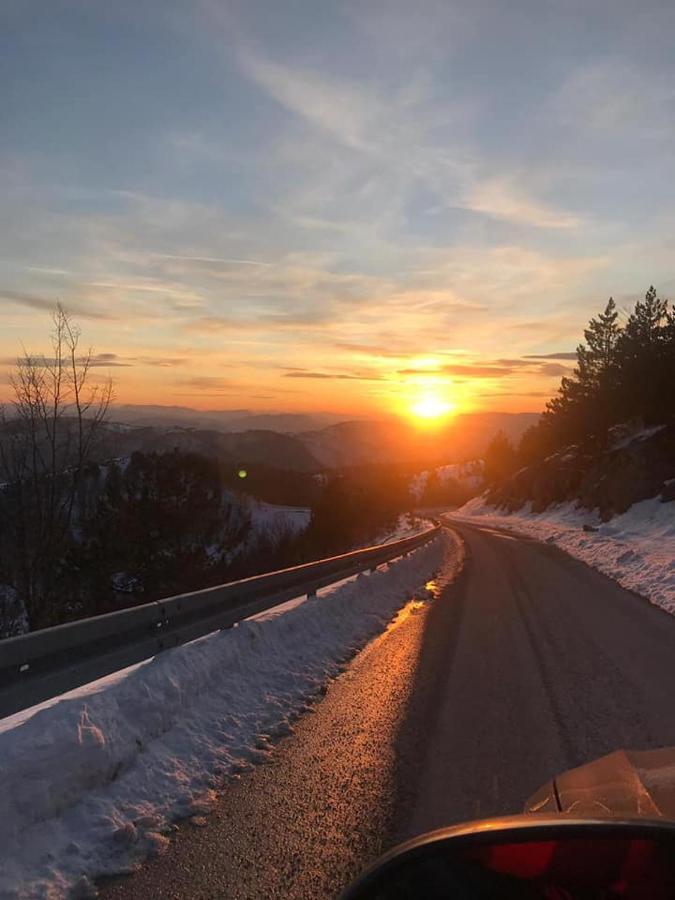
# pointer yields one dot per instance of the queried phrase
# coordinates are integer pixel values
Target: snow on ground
(469, 474)
(90, 783)
(406, 526)
(12, 612)
(277, 519)
(637, 549)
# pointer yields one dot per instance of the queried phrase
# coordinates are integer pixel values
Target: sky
(341, 206)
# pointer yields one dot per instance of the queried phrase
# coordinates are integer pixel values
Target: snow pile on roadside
(89, 785)
(637, 549)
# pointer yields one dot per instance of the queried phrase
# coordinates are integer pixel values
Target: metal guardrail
(43, 664)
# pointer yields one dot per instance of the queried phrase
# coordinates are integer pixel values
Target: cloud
(554, 369)
(521, 362)
(385, 350)
(162, 362)
(215, 260)
(97, 361)
(464, 371)
(326, 375)
(398, 129)
(566, 354)
(105, 360)
(49, 304)
(343, 111)
(612, 96)
(101, 360)
(209, 386)
(502, 198)
(506, 394)
(501, 368)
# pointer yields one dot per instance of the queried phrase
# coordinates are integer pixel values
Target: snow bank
(637, 549)
(89, 785)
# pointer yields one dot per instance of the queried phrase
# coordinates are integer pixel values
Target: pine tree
(586, 400)
(622, 373)
(644, 354)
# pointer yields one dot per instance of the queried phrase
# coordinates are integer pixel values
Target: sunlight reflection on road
(412, 607)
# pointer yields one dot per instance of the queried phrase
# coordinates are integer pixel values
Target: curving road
(529, 663)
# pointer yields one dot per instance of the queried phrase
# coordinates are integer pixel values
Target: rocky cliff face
(639, 463)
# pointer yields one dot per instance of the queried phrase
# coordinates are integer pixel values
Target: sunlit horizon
(245, 208)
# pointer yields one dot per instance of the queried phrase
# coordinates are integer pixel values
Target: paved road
(528, 664)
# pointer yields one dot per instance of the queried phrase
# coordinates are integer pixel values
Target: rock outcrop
(637, 464)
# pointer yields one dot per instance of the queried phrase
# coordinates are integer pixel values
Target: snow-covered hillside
(275, 520)
(637, 548)
(468, 474)
(90, 784)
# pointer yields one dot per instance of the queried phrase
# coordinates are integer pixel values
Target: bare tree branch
(45, 448)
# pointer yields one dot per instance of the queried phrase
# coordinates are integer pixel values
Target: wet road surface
(529, 663)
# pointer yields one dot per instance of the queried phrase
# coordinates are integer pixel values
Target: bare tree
(46, 443)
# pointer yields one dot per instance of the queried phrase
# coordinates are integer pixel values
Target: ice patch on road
(90, 783)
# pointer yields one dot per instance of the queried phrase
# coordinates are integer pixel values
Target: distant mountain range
(221, 420)
(242, 449)
(304, 442)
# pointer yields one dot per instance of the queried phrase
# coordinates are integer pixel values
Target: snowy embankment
(90, 784)
(637, 549)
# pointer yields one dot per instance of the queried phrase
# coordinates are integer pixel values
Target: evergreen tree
(586, 400)
(622, 374)
(647, 349)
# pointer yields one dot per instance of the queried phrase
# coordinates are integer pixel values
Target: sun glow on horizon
(431, 408)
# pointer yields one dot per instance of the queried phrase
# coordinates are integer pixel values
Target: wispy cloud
(331, 376)
(163, 362)
(502, 198)
(347, 193)
(497, 369)
(207, 384)
(32, 301)
(463, 371)
(566, 354)
(347, 112)
(215, 260)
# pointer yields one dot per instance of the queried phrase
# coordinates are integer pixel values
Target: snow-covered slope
(637, 548)
(274, 520)
(469, 474)
(90, 784)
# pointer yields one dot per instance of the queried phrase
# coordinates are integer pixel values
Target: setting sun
(431, 408)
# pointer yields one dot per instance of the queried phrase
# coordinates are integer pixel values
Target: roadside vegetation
(607, 439)
(82, 534)
(624, 373)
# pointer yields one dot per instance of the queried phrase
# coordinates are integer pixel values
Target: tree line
(157, 524)
(625, 372)
(81, 534)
